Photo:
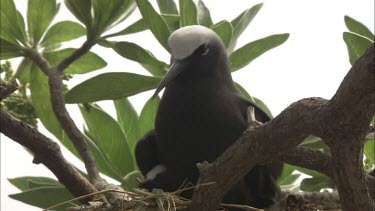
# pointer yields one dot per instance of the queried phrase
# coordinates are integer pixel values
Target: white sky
(312, 63)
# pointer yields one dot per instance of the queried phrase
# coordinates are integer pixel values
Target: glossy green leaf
(44, 197)
(11, 24)
(41, 101)
(86, 63)
(188, 13)
(155, 22)
(308, 171)
(369, 149)
(29, 182)
(140, 25)
(315, 184)
(246, 54)
(261, 105)
(289, 180)
(244, 92)
(23, 70)
(167, 7)
(358, 28)
(81, 10)
(9, 50)
(136, 53)
(132, 180)
(148, 114)
(109, 13)
(357, 45)
(109, 138)
(224, 30)
(314, 143)
(39, 15)
(117, 85)
(203, 15)
(241, 22)
(102, 161)
(287, 171)
(128, 119)
(63, 31)
(264, 107)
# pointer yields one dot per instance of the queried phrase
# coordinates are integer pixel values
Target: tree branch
(66, 122)
(47, 152)
(7, 88)
(75, 55)
(346, 117)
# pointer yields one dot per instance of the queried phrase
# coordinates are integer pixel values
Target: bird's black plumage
(201, 113)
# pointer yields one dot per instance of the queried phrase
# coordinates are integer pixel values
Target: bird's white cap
(184, 41)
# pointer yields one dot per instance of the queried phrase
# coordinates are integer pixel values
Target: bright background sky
(311, 63)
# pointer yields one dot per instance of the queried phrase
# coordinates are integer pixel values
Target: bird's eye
(202, 50)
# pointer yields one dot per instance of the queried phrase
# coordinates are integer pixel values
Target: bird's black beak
(175, 69)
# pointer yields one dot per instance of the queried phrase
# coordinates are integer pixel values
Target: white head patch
(184, 41)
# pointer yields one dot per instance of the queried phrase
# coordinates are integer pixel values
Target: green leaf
(82, 11)
(109, 13)
(246, 54)
(289, 180)
(63, 31)
(9, 50)
(241, 22)
(117, 85)
(102, 161)
(141, 25)
(314, 143)
(131, 180)
(39, 15)
(44, 197)
(136, 53)
(23, 70)
(287, 171)
(148, 114)
(188, 13)
(167, 7)
(155, 22)
(224, 30)
(203, 15)
(357, 45)
(110, 138)
(369, 149)
(128, 120)
(41, 101)
(263, 106)
(28, 182)
(86, 63)
(244, 92)
(358, 28)
(11, 25)
(315, 184)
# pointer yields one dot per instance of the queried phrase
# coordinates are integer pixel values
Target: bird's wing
(146, 152)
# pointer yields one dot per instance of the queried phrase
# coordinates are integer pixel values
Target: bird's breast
(197, 123)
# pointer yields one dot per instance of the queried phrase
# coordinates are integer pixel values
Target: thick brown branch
(7, 88)
(318, 161)
(347, 120)
(47, 152)
(346, 117)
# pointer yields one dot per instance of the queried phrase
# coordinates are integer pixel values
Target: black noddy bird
(201, 114)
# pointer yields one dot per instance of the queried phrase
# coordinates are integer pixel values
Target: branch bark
(7, 88)
(343, 121)
(47, 152)
(56, 89)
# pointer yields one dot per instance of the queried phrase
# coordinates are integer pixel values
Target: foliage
(112, 143)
